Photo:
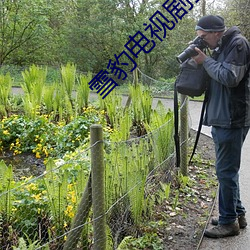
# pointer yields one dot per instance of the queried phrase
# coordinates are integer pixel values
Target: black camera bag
(192, 79)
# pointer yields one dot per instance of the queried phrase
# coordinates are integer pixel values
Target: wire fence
(56, 210)
(42, 210)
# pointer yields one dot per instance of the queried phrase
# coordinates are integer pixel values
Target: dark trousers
(228, 145)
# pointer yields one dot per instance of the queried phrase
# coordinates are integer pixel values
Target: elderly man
(228, 112)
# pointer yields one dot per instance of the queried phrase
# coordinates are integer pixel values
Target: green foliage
(48, 98)
(112, 105)
(43, 137)
(29, 245)
(57, 188)
(147, 241)
(164, 191)
(30, 206)
(33, 85)
(23, 25)
(6, 184)
(5, 90)
(161, 126)
(68, 74)
(141, 104)
(83, 91)
(44, 32)
(126, 172)
(127, 160)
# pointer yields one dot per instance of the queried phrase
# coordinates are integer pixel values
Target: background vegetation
(89, 32)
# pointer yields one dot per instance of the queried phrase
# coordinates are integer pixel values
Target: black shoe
(221, 231)
(241, 219)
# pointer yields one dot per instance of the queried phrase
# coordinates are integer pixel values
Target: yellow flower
(73, 199)
(17, 152)
(37, 196)
(38, 156)
(103, 112)
(31, 187)
(14, 209)
(6, 132)
(45, 151)
(12, 145)
(69, 211)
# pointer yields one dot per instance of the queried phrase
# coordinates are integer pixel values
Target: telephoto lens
(190, 50)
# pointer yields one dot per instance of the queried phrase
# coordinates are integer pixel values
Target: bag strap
(176, 126)
(201, 118)
(199, 127)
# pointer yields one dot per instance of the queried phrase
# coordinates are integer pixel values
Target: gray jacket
(228, 103)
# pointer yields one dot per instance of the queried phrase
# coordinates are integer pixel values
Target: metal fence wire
(55, 209)
(94, 200)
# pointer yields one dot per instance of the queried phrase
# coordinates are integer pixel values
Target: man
(228, 112)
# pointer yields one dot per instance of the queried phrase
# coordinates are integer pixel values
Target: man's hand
(200, 58)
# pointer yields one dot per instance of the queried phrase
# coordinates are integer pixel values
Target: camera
(190, 51)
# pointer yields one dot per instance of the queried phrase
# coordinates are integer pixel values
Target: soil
(25, 164)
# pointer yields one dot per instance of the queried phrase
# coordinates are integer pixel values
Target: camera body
(190, 51)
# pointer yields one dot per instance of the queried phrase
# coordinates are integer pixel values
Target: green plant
(5, 90)
(44, 137)
(30, 208)
(147, 241)
(33, 85)
(164, 191)
(113, 108)
(126, 173)
(23, 134)
(176, 199)
(6, 184)
(56, 187)
(121, 131)
(68, 74)
(184, 181)
(83, 90)
(161, 126)
(141, 104)
(48, 98)
(28, 245)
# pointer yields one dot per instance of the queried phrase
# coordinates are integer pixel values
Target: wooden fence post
(98, 195)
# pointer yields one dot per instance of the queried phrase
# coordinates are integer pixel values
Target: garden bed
(178, 222)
